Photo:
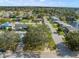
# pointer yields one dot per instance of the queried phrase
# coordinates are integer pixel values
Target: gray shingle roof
(20, 26)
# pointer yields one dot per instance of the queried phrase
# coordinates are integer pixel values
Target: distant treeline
(34, 7)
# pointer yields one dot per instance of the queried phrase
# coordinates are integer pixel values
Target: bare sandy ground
(35, 54)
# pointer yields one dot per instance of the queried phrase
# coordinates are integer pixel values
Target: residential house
(55, 19)
(6, 25)
(21, 27)
(76, 24)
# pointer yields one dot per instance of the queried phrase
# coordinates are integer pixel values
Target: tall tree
(72, 40)
(9, 40)
(35, 39)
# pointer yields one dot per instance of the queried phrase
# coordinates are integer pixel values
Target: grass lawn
(4, 20)
(55, 26)
(51, 43)
(61, 33)
(24, 21)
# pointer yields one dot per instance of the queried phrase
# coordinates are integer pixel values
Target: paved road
(62, 50)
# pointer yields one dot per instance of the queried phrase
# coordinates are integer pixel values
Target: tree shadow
(64, 51)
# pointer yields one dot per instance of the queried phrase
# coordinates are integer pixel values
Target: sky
(49, 3)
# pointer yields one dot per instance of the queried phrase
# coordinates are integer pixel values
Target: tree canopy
(37, 38)
(72, 40)
(9, 40)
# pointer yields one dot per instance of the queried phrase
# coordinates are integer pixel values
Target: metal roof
(7, 24)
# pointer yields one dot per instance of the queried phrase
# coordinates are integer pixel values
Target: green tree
(72, 40)
(37, 38)
(9, 40)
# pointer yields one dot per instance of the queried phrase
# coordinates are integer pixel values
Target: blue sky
(53, 3)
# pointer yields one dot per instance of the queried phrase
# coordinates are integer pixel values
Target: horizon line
(42, 6)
